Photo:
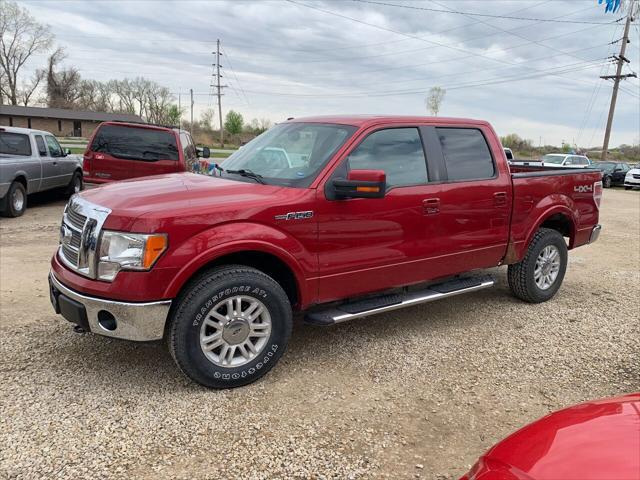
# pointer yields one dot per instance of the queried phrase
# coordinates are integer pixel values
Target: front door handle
(431, 206)
(55, 163)
(500, 199)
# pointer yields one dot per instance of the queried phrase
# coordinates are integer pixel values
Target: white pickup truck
(32, 161)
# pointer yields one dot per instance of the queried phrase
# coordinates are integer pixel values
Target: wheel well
(560, 223)
(21, 179)
(266, 263)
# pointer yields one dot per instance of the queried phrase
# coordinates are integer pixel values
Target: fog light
(107, 321)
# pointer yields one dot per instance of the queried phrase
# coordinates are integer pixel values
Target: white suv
(632, 179)
(565, 160)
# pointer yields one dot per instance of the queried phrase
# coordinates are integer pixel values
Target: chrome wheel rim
(235, 331)
(547, 267)
(17, 200)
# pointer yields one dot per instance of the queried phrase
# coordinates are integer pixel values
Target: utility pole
(621, 59)
(219, 88)
(191, 124)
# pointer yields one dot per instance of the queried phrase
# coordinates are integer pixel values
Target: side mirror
(65, 152)
(361, 184)
(203, 152)
(618, 169)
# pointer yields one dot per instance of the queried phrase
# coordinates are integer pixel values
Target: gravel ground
(416, 393)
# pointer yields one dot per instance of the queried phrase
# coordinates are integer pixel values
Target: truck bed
(539, 192)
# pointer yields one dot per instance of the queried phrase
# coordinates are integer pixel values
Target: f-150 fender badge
(583, 188)
(295, 215)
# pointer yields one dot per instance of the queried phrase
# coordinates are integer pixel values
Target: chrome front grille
(636, 176)
(79, 232)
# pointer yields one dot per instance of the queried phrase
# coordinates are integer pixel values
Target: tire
(606, 182)
(192, 323)
(15, 201)
(522, 275)
(627, 188)
(76, 184)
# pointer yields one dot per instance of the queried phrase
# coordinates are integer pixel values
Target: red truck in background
(334, 217)
(124, 150)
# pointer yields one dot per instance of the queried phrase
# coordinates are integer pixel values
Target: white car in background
(632, 179)
(565, 160)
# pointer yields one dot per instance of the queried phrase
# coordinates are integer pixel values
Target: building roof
(62, 113)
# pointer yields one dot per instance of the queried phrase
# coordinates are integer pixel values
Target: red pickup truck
(123, 150)
(334, 217)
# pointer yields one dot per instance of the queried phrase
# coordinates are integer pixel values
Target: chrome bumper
(133, 321)
(595, 233)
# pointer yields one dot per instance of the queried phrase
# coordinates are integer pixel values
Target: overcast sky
(283, 59)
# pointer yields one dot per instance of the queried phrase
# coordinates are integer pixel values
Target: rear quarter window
(15, 144)
(131, 143)
(466, 154)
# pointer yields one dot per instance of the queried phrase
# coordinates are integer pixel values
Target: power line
(486, 15)
(235, 76)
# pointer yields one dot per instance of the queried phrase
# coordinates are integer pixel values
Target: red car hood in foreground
(597, 440)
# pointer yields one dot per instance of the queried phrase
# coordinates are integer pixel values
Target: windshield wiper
(244, 172)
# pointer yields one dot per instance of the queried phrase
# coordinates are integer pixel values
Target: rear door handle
(431, 206)
(500, 199)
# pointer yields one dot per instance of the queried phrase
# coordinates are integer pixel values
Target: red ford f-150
(335, 217)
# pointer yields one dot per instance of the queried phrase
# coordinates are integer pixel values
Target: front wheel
(606, 182)
(627, 188)
(75, 185)
(539, 275)
(230, 327)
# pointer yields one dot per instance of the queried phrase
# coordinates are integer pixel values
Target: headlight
(128, 251)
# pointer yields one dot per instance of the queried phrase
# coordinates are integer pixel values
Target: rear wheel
(15, 202)
(230, 327)
(606, 182)
(539, 275)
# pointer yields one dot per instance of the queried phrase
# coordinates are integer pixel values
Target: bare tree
(434, 100)
(64, 85)
(20, 38)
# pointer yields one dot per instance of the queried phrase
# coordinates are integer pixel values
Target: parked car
(565, 160)
(32, 161)
(597, 440)
(613, 173)
(120, 151)
(509, 154)
(632, 179)
(217, 265)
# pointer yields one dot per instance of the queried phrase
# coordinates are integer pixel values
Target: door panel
(475, 202)
(49, 165)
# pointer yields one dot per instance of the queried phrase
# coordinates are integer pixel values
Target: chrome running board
(387, 303)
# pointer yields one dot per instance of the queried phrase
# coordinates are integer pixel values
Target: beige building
(60, 122)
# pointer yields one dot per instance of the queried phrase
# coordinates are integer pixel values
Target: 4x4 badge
(295, 215)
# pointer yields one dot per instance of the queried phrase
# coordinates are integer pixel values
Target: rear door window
(131, 143)
(42, 149)
(397, 151)
(466, 154)
(15, 144)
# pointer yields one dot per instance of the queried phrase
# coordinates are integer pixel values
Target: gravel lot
(419, 392)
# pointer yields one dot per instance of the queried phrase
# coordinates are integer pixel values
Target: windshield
(131, 143)
(605, 167)
(14, 144)
(557, 159)
(290, 154)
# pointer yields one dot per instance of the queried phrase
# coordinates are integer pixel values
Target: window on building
(59, 125)
(397, 151)
(466, 154)
(28, 123)
(11, 121)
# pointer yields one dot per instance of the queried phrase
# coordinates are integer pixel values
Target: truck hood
(177, 194)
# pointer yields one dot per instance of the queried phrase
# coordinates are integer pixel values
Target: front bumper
(631, 183)
(126, 320)
(595, 233)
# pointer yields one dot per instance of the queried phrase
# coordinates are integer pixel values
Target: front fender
(220, 240)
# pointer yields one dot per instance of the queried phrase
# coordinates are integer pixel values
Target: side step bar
(386, 303)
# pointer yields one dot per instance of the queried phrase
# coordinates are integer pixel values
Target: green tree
(233, 122)
(173, 114)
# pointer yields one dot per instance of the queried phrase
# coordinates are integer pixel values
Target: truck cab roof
(369, 120)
